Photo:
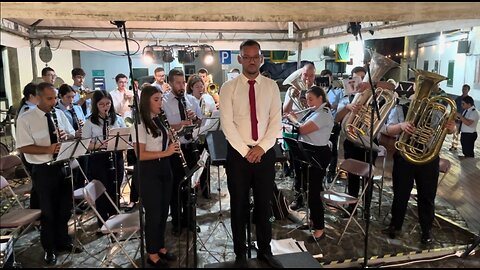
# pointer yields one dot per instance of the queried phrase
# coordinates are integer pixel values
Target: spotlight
(168, 55)
(208, 60)
(354, 29)
(187, 55)
(148, 55)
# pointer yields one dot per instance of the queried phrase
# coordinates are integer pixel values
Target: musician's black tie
(181, 109)
(51, 129)
(74, 119)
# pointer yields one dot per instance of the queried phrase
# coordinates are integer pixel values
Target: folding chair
(378, 180)
(119, 227)
(17, 219)
(339, 199)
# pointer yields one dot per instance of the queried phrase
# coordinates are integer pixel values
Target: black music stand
(69, 151)
(217, 146)
(305, 157)
(118, 139)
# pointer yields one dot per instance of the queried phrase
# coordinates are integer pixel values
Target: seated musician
(314, 129)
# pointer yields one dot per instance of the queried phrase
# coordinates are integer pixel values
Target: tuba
(357, 126)
(295, 80)
(429, 117)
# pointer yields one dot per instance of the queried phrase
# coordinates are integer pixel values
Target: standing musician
(160, 83)
(122, 97)
(39, 133)
(468, 126)
(181, 110)
(315, 129)
(107, 167)
(308, 78)
(155, 174)
(403, 175)
(76, 118)
(29, 100)
(78, 77)
(251, 120)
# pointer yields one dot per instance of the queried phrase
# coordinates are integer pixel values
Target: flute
(304, 110)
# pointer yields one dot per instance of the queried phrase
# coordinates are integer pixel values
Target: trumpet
(86, 93)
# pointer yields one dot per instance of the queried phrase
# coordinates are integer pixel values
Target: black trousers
(426, 178)
(54, 191)
(156, 180)
(332, 169)
(34, 200)
(241, 176)
(468, 143)
(322, 156)
(358, 153)
(178, 171)
(101, 167)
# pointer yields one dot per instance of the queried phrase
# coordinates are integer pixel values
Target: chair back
(3, 182)
(93, 190)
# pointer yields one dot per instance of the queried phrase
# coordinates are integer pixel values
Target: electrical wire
(456, 254)
(100, 50)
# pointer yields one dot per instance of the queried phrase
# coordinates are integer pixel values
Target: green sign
(451, 68)
(98, 73)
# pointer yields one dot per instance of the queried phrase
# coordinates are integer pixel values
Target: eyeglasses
(249, 59)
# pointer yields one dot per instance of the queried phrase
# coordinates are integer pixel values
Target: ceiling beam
(251, 12)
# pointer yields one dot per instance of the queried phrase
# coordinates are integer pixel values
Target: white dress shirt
(170, 106)
(471, 114)
(77, 109)
(323, 119)
(90, 130)
(32, 129)
(121, 105)
(151, 144)
(235, 113)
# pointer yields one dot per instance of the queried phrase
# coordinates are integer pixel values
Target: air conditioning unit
(463, 46)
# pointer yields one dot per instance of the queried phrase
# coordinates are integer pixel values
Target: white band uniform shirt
(78, 111)
(90, 130)
(170, 107)
(151, 144)
(471, 114)
(34, 127)
(27, 106)
(236, 106)
(322, 118)
(121, 105)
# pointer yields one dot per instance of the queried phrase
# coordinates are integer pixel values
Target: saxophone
(173, 134)
(429, 117)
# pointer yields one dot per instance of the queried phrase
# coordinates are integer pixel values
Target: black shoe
(427, 238)
(70, 248)
(50, 258)
(167, 256)
(241, 261)
(161, 263)
(391, 232)
(270, 260)
(295, 205)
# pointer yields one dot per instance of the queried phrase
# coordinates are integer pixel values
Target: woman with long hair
(107, 167)
(155, 174)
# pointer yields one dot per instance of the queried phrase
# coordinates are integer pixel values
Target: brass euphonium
(295, 80)
(356, 125)
(429, 117)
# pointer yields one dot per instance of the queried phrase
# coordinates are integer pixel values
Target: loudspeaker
(463, 46)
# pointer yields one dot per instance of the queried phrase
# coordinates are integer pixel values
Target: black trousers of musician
(468, 143)
(178, 171)
(100, 167)
(34, 200)
(241, 176)
(321, 156)
(332, 169)
(426, 179)
(156, 180)
(358, 153)
(54, 191)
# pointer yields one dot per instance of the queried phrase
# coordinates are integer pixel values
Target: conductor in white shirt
(251, 120)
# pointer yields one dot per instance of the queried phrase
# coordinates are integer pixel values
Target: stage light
(187, 55)
(168, 55)
(208, 59)
(148, 55)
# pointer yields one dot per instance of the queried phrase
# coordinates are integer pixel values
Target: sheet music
(208, 124)
(202, 163)
(350, 85)
(120, 138)
(67, 148)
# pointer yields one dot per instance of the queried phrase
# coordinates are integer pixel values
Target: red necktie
(253, 110)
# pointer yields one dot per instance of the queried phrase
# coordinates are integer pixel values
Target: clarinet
(111, 158)
(66, 165)
(75, 118)
(175, 139)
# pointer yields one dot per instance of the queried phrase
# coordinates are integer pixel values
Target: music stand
(69, 151)
(305, 157)
(217, 147)
(118, 139)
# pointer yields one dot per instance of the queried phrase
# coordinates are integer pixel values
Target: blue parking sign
(225, 57)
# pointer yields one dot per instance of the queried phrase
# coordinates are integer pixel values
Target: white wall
(464, 67)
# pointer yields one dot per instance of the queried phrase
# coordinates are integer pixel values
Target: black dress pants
(468, 143)
(241, 176)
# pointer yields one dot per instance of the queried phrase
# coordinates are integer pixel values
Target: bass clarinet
(173, 134)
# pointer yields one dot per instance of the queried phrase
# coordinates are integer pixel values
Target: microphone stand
(369, 184)
(135, 110)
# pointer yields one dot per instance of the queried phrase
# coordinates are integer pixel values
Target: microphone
(119, 25)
